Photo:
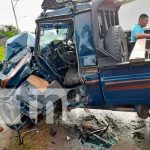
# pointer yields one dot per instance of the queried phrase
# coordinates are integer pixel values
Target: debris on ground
(95, 132)
(87, 132)
(121, 124)
(138, 135)
(112, 123)
(91, 122)
(139, 124)
(1, 129)
(68, 138)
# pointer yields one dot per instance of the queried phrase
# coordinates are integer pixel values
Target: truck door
(126, 84)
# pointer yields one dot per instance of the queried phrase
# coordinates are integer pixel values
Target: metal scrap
(98, 135)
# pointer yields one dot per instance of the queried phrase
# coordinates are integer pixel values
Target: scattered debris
(52, 132)
(95, 132)
(1, 129)
(138, 124)
(88, 132)
(138, 135)
(112, 123)
(91, 122)
(53, 142)
(68, 138)
(86, 110)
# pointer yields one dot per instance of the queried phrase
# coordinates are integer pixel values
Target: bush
(8, 31)
(2, 53)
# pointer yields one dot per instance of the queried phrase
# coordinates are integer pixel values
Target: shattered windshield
(54, 31)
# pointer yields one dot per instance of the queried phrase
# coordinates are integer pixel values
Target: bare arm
(142, 35)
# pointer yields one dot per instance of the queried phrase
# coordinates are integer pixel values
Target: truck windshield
(54, 31)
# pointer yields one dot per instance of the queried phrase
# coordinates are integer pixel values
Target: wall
(129, 13)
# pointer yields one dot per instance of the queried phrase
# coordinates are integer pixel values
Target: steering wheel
(66, 53)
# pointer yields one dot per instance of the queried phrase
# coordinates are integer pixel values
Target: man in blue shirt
(138, 31)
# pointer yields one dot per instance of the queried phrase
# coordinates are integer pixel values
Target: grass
(2, 53)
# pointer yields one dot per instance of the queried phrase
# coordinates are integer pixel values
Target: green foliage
(2, 53)
(10, 34)
(8, 31)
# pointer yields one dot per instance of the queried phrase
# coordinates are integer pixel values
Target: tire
(143, 111)
(116, 43)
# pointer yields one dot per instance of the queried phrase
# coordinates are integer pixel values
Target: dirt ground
(132, 133)
(6, 135)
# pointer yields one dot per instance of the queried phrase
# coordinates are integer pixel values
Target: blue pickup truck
(79, 45)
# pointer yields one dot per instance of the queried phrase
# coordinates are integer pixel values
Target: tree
(8, 30)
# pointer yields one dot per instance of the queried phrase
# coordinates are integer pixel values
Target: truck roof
(53, 4)
(54, 9)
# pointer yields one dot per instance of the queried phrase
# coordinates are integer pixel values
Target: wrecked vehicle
(81, 46)
(18, 54)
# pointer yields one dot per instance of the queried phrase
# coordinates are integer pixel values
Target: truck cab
(93, 51)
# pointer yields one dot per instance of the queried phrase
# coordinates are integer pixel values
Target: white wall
(129, 13)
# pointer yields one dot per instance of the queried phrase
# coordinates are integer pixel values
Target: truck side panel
(126, 84)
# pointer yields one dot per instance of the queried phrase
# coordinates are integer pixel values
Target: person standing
(138, 30)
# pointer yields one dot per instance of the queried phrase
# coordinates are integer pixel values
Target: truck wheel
(143, 111)
(116, 44)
